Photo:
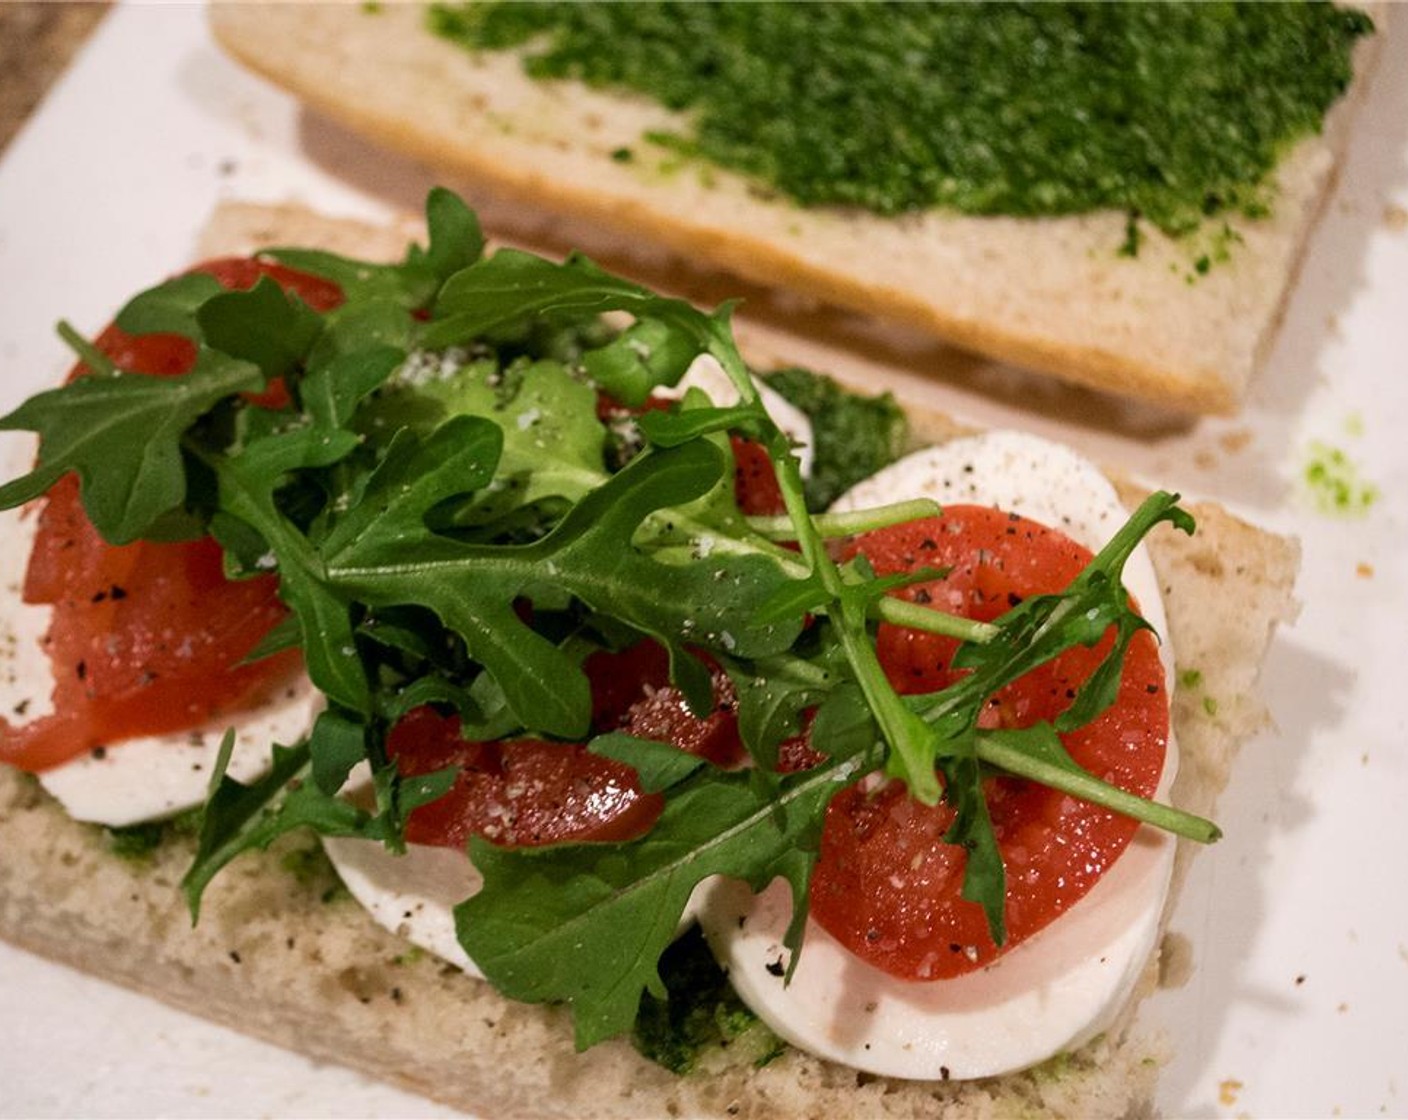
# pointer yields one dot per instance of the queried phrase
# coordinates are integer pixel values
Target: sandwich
(482, 530)
(1045, 186)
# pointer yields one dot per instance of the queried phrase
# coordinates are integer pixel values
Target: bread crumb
(1227, 1091)
(1175, 961)
(1233, 442)
(1342, 1008)
(1364, 570)
(1205, 460)
(1396, 218)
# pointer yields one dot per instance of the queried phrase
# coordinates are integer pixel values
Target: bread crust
(272, 959)
(1050, 294)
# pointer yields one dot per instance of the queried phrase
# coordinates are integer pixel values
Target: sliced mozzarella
(1056, 990)
(155, 776)
(140, 779)
(707, 375)
(413, 895)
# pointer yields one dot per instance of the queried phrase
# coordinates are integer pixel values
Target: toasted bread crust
(1051, 294)
(271, 958)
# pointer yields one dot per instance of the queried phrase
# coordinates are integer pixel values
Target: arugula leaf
(262, 325)
(472, 587)
(456, 240)
(586, 924)
(239, 818)
(122, 435)
(647, 354)
(170, 308)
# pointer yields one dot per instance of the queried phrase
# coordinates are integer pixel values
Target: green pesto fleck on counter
(1333, 483)
(1170, 111)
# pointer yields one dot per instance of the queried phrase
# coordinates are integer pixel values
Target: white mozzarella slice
(139, 779)
(156, 776)
(1056, 990)
(706, 374)
(413, 895)
(1052, 993)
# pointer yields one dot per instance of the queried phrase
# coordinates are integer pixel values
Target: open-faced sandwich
(1116, 193)
(692, 742)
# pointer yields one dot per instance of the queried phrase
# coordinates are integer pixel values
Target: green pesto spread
(1169, 111)
(1334, 484)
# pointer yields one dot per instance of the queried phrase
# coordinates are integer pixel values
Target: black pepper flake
(22, 707)
(235, 956)
(1151, 689)
(98, 753)
(396, 995)
(1300, 980)
(928, 544)
(776, 967)
(117, 593)
(944, 1073)
(82, 670)
(922, 597)
(1013, 599)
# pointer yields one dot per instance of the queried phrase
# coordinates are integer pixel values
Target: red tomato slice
(755, 484)
(517, 793)
(146, 638)
(886, 884)
(526, 792)
(631, 692)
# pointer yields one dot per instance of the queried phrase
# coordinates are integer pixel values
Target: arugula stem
(1090, 788)
(831, 525)
(89, 354)
(908, 736)
(901, 612)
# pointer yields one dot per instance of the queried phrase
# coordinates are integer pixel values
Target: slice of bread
(272, 958)
(1050, 294)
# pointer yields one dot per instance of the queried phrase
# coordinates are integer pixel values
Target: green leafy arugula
(448, 528)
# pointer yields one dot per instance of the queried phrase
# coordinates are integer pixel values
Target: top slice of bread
(271, 959)
(1050, 294)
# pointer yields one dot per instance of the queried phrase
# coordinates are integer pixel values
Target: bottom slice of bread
(274, 957)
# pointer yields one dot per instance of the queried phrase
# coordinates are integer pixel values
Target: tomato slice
(146, 638)
(631, 692)
(517, 792)
(886, 884)
(526, 792)
(755, 485)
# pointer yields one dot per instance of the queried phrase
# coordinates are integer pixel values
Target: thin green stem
(831, 525)
(1089, 788)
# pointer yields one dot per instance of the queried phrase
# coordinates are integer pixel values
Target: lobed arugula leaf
(586, 924)
(122, 435)
(472, 587)
(241, 818)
